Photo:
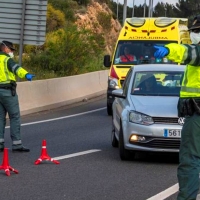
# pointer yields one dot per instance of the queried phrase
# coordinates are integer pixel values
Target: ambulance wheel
(109, 109)
(125, 154)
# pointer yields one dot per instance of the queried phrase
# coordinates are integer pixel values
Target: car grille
(161, 143)
(165, 120)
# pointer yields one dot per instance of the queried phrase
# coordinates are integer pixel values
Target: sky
(139, 2)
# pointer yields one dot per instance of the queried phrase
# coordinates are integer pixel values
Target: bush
(67, 52)
(83, 2)
(67, 7)
(55, 19)
(104, 20)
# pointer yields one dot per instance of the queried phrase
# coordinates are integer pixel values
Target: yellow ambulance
(135, 46)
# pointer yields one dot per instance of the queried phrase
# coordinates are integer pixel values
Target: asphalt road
(98, 175)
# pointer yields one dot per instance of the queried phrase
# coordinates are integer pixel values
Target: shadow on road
(171, 158)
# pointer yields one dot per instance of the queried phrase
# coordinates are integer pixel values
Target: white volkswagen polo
(145, 116)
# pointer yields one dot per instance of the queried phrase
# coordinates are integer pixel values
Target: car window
(127, 82)
(159, 83)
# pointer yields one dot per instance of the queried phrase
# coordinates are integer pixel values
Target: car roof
(159, 67)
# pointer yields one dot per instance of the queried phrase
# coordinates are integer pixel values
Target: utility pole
(117, 9)
(144, 8)
(133, 8)
(124, 10)
(150, 8)
(149, 14)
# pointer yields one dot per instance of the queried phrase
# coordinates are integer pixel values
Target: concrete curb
(46, 94)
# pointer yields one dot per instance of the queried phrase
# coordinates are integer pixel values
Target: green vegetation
(105, 20)
(69, 50)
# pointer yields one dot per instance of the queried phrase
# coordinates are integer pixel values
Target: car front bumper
(154, 141)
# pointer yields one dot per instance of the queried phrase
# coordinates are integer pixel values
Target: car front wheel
(114, 140)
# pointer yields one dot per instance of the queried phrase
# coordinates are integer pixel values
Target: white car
(145, 116)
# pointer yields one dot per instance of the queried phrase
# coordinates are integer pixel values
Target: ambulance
(135, 46)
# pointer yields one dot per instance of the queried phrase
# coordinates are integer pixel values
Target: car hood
(155, 106)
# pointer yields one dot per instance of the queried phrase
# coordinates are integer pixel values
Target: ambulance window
(139, 52)
(125, 53)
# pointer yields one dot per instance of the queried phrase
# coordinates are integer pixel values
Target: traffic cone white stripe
(44, 155)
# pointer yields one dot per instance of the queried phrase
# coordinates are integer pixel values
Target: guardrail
(46, 94)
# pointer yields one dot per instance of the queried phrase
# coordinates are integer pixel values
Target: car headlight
(113, 83)
(139, 118)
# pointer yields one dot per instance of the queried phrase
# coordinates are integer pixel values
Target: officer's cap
(8, 44)
(195, 23)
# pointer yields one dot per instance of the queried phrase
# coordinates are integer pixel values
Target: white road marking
(166, 193)
(54, 119)
(76, 154)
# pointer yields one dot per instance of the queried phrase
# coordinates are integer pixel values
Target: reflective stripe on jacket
(190, 55)
(8, 69)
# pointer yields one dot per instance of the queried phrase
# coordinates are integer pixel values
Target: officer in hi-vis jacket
(8, 96)
(188, 107)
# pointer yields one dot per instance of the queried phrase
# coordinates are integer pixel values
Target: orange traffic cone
(5, 164)
(44, 155)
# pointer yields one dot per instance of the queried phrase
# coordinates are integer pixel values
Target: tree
(187, 9)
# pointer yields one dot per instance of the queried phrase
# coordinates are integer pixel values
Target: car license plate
(172, 133)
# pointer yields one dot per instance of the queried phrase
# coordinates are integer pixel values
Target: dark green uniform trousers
(189, 159)
(10, 104)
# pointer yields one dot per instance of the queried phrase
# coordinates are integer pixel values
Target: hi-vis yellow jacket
(190, 55)
(8, 69)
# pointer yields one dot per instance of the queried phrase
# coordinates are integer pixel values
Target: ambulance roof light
(135, 21)
(164, 21)
(183, 28)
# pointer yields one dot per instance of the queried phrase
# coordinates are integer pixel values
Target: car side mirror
(107, 62)
(118, 93)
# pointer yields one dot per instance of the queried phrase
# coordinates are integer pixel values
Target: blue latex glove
(160, 52)
(29, 76)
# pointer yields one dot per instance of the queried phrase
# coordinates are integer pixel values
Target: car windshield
(157, 83)
(139, 52)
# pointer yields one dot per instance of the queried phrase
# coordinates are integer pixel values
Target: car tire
(124, 153)
(109, 109)
(114, 140)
